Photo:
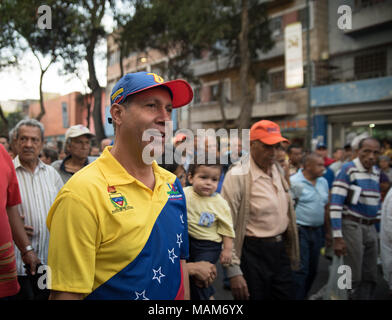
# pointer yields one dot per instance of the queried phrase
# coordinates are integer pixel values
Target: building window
(262, 92)
(302, 18)
(196, 95)
(276, 81)
(64, 109)
(276, 27)
(370, 65)
(362, 4)
(214, 90)
(114, 57)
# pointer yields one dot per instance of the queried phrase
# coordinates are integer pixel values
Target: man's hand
(203, 272)
(239, 288)
(30, 259)
(339, 246)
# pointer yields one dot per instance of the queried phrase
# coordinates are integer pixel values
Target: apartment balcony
(369, 90)
(370, 17)
(210, 112)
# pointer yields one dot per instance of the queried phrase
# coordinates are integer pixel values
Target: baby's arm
(225, 256)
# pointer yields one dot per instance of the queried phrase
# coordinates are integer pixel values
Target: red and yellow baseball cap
(267, 132)
(132, 83)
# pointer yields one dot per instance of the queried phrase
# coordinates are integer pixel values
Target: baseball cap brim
(273, 140)
(182, 93)
(81, 134)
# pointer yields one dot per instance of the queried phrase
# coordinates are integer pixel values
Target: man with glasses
(266, 242)
(77, 145)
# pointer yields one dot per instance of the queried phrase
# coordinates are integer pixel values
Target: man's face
(94, 151)
(369, 153)
(347, 154)
(281, 158)
(315, 167)
(29, 143)
(338, 154)
(149, 109)
(79, 147)
(322, 152)
(295, 156)
(263, 154)
(4, 142)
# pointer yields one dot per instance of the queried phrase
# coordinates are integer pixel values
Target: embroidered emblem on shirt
(206, 219)
(118, 200)
(174, 193)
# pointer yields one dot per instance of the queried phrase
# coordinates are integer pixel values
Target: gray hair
(29, 123)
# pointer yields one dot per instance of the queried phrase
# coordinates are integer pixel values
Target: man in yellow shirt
(118, 228)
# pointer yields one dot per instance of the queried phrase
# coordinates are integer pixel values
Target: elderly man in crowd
(77, 145)
(39, 184)
(266, 242)
(355, 208)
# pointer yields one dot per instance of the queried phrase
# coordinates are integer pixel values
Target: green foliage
(20, 31)
(193, 27)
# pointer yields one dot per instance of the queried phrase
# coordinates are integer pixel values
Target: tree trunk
(96, 89)
(246, 102)
(41, 97)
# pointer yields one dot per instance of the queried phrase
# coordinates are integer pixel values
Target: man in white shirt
(39, 184)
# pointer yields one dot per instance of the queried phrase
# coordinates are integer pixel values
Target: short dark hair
(6, 138)
(293, 146)
(193, 167)
(169, 166)
(360, 145)
(50, 153)
(309, 157)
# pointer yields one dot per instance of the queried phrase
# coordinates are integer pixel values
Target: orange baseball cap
(267, 132)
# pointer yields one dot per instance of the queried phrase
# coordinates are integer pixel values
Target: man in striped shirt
(39, 184)
(355, 207)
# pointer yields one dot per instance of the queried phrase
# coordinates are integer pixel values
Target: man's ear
(117, 112)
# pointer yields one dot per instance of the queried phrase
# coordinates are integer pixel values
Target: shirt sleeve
(338, 197)
(225, 222)
(74, 237)
(13, 193)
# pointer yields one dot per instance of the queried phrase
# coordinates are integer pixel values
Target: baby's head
(204, 178)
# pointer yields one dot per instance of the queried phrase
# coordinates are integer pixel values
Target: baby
(209, 222)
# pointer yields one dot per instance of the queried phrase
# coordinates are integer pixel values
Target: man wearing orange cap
(266, 243)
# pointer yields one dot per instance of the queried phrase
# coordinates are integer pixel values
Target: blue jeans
(310, 243)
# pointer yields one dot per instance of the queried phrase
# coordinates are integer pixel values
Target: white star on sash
(142, 295)
(181, 217)
(179, 239)
(172, 255)
(160, 274)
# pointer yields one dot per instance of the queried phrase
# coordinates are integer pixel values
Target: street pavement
(321, 280)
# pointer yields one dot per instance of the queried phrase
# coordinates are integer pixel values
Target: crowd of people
(111, 226)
